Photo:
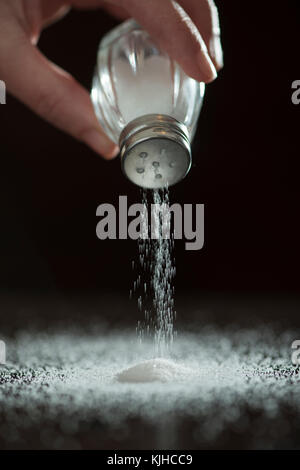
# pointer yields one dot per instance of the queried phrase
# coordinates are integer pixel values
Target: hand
(188, 31)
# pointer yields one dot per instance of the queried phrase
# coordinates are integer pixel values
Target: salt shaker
(147, 105)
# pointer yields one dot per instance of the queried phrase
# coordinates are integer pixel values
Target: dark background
(245, 171)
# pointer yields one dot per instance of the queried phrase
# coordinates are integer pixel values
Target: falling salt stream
(156, 258)
(163, 273)
(157, 271)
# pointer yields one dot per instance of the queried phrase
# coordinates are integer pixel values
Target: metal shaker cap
(155, 151)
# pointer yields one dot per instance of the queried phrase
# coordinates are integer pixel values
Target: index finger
(204, 14)
(172, 28)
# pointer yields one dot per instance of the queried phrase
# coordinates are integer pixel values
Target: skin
(188, 30)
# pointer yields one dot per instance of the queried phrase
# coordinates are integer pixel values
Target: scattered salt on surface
(243, 379)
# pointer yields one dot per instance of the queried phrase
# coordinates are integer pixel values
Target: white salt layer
(154, 370)
(61, 385)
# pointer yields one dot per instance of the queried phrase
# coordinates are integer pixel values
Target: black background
(245, 171)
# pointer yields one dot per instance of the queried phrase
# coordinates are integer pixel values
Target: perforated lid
(155, 151)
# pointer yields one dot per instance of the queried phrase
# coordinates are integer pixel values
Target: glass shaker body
(147, 105)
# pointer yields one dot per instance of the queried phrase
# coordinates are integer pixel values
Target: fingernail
(207, 68)
(101, 144)
(216, 51)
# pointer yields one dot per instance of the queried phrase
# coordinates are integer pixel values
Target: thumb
(53, 94)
